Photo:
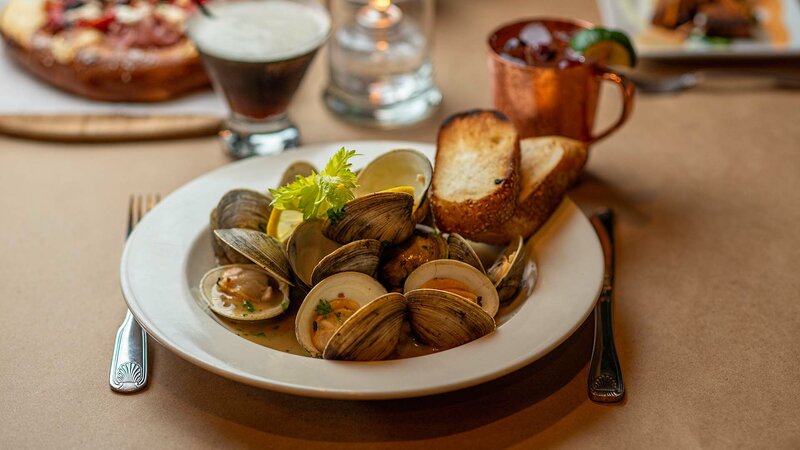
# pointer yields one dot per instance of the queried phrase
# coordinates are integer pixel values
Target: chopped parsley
(248, 306)
(324, 307)
(336, 214)
(260, 333)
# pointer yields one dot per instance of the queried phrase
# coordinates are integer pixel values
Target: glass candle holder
(380, 66)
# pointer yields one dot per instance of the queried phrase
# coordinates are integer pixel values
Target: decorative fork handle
(128, 372)
(605, 374)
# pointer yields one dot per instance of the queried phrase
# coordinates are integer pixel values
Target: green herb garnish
(318, 193)
(335, 215)
(248, 306)
(324, 307)
(260, 333)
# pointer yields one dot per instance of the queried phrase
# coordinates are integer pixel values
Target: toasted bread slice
(548, 166)
(476, 177)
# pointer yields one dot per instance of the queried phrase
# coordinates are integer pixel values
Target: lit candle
(379, 15)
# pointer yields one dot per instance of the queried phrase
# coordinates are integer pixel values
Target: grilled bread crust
(548, 167)
(476, 178)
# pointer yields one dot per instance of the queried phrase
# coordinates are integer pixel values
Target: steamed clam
(259, 248)
(312, 256)
(506, 272)
(244, 292)
(461, 250)
(296, 169)
(401, 167)
(383, 216)
(239, 208)
(450, 303)
(340, 269)
(249, 292)
(350, 316)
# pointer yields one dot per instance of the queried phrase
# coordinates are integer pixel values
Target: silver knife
(605, 374)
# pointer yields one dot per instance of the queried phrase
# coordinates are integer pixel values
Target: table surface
(707, 190)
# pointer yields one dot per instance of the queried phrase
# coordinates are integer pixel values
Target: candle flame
(381, 5)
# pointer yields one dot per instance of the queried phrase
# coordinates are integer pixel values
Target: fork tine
(152, 199)
(138, 206)
(140, 209)
(131, 214)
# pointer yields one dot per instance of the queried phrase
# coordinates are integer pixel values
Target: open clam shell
(401, 167)
(265, 251)
(313, 257)
(459, 249)
(371, 333)
(297, 168)
(445, 320)
(475, 281)
(352, 286)
(238, 208)
(383, 216)
(507, 271)
(250, 282)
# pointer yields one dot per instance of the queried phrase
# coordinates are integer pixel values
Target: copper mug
(552, 99)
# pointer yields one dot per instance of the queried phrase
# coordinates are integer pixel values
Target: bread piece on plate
(548, 166)
(476, 177)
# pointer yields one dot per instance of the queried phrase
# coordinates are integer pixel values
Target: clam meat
(400, 260)
(244, 292)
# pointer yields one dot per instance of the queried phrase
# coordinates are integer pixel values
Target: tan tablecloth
(707, 189)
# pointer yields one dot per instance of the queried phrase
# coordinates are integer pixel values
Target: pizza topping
(85, 11)
(66, 45)
(132, 14)
(126, 23)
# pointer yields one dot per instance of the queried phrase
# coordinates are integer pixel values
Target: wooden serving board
(107, 128)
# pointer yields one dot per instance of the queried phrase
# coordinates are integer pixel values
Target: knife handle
(128, 372)
(605, 373)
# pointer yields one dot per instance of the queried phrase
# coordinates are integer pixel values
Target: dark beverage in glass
(256, 53)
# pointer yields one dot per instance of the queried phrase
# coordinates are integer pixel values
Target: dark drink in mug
(544, 86)
(256, 53)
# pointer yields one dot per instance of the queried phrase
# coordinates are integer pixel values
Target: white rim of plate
(158, 258)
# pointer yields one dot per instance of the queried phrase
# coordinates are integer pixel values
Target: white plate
(779, 36)
(170, 250)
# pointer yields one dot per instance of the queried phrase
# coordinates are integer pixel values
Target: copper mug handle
(627, 89)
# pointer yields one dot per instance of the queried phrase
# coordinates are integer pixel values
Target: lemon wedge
(283, 222)
(407, 189)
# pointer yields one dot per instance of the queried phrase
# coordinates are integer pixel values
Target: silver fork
(128, 372)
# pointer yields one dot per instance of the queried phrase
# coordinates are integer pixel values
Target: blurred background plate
(777, 34)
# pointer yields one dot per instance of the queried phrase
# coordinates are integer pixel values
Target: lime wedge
(611, 47)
